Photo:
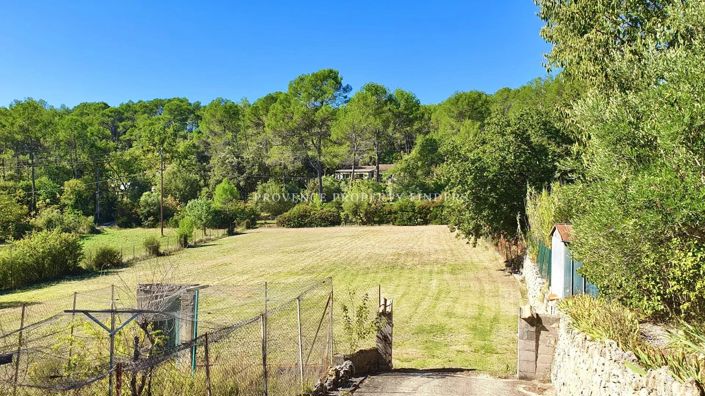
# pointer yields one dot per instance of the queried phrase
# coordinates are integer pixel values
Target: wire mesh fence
(168, 339)
(131, 252)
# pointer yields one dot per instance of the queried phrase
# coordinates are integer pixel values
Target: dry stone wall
(585, 367)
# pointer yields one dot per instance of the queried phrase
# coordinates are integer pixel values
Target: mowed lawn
(454, 306)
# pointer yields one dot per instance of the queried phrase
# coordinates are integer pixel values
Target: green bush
(41, 256)
(52, 218)
(149, 208)
(152, 245)
(272, 198)
(235, 214)
(307, 215)
(363, 203)
(106, 257)
(185, 232)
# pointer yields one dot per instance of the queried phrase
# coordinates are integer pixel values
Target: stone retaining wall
(535, 284)
(585, 367)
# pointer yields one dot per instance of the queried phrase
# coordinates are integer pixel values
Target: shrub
(41, 256)
(307, 215)
(52, 218)
(272, 198)
(185, 232)
(104, 258)
(406, 213)
(235, 214)
(149, 210)
(152, 245)
(363, 203)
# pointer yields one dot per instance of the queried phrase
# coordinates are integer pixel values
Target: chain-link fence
(166, 339)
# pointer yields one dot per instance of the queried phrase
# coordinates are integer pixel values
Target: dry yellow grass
(454, 307)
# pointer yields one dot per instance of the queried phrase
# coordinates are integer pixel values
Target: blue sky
(74, 51)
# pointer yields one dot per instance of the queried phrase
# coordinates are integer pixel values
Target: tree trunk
(319, 168)
(161, 191)
(34, 187)
(97, 195)
(354, 159)
(377, 177)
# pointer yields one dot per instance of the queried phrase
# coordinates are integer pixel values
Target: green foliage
(332, 188)
(185, 231)
(602, 319)
(105, 257)
(225, 193)
(359, 323)
(149, 207)
(181, 184)
(41, 256)
(52, 218)
(77, 197)
(489, 174)
(273, 198)
(12, 216)
(363, 203)
(201, 212)
(307, 215)
(152, 246)
(235, 214)
(412, 212)
(417, 172)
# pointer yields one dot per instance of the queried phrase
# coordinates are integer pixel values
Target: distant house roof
(366, 168)
(565, 231)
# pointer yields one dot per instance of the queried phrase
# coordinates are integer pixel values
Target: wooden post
(19, 349)
(385, 335)
(301, 344)
(73, 315)
(208, 365)
(118, 380)
(265, 385)
(265, 373)
(330, 326)
(112, 339)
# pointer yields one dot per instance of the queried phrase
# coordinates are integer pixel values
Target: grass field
(454, 307)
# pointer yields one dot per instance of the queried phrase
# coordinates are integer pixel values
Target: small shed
(565, 278)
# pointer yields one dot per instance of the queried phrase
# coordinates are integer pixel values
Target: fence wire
(273, 338)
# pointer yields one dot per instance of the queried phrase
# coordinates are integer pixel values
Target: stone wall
(535, 285)
(585, 367)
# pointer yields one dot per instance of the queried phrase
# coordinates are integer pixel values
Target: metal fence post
(301, 345)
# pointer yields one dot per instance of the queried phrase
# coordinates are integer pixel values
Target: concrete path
(447, 383)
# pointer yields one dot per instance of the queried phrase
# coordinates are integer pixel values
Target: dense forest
(59, 164)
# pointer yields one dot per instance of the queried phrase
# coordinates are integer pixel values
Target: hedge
(41, 256)
(305, 215)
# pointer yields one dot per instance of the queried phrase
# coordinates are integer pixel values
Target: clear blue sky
(69, 52)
